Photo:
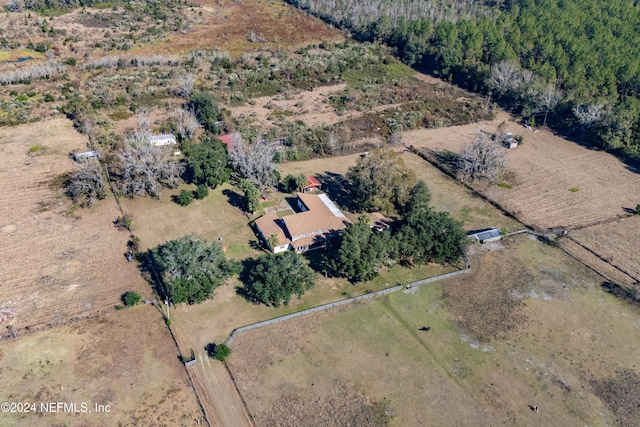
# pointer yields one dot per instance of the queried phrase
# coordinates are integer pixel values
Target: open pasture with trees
(58, 261)
(547, 181)
(125, 360)
(498, 345)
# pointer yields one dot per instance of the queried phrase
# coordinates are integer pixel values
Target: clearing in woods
(124, 359)
(57, 262)
(499, 342)
(554, 182)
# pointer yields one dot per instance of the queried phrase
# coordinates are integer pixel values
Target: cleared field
(615, 242)
(226, 24)
(56, 263)
(555, 182)
(550, 338)
(126, 360)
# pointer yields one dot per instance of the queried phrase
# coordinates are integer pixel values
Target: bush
(219, 351)
(131, 299)
(123, 222)
(70, 61)
(201, 192)
(638, 209)
(49, 98)
(185, 198)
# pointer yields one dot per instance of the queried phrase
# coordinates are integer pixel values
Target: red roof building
(226, 140)
(312, 183)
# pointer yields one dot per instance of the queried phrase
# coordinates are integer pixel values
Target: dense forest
(573, 62)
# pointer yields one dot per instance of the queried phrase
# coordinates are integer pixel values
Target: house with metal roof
(317, 220)
(159, 140)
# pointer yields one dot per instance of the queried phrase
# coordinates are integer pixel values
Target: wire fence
(342, 302)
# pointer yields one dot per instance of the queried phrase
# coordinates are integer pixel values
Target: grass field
(547, 336)
(126, 360)
(57, 262)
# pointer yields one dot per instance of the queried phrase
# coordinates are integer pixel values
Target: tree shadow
(448, 159)
(630, 210)
(247, 265)
(337, 188)
(210, 349)
(234, 199)
(149, 269)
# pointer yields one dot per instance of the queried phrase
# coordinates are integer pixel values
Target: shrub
(35, 149)
(70, 61)
(219, 351)
(638, 209)
(131, 299)
(185, 198)
(123, 222)
(49, 98)
(201, 192)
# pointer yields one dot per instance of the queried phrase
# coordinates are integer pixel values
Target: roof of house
(321, 217)
(269, 224)
(226, 139)
(485, 234)
(313, 182)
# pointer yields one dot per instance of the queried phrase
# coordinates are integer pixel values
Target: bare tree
(86, 184)
(549, 96)
(589, 115)
(143, 121)
(481, 159)
(253, 161)
(144, 168)
(187, 122)
(186, 83)
(505, 76)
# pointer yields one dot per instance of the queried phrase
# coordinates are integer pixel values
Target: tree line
(573, 61)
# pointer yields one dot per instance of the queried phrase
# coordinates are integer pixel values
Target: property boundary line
(278, 319)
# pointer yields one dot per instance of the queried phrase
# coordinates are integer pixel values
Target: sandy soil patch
(309, 106)
(126, 360)
(56, 264)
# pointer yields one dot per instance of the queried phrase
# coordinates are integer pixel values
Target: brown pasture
(616, 243)
(226, 24)
(555, 182)
(58, 262)
(500, 343)
(126, 360)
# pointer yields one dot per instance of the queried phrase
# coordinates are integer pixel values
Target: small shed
(313, 183)
(165, 139)
(78, 157)
(486, 235)
(510, 141)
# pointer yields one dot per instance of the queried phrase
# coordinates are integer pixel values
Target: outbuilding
(487, 235)
(165, 139)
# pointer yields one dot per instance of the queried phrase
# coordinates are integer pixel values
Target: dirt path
(218, 394)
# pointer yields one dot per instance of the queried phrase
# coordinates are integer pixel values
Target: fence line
(341, 302)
